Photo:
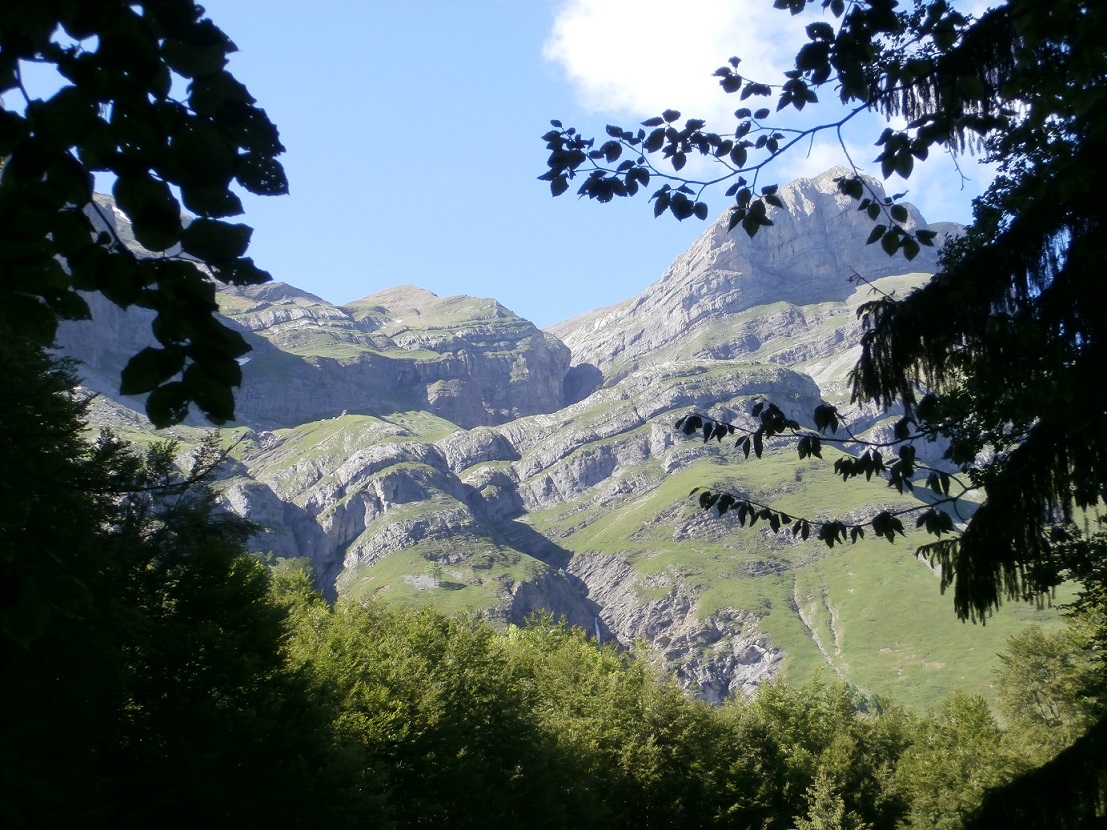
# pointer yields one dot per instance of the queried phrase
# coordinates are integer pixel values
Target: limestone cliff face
(468, 360)
(353, 493)
(407, 434)
(586, 445)
(720, 655)
(695, 311)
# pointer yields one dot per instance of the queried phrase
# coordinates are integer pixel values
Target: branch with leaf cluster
(118, 111)
(771, 422)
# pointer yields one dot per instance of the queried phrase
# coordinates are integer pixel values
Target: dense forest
(153, 673)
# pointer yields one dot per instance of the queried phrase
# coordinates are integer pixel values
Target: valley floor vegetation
(153, 673)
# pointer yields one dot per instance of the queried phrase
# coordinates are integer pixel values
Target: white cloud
(811, 159)
(638, 57)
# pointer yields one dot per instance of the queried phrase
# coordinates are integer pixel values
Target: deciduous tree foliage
(958, 754)
(141, 95)
(1053, 692)
(1051, 687)
(541, 727)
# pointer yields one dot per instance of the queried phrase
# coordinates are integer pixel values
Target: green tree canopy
(141, 95)
(1051, 687)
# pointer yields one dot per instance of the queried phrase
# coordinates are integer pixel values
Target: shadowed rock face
(413, 429)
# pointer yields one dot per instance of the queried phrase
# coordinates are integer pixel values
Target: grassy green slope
(475, 582)
(475, 567)
(871, 612)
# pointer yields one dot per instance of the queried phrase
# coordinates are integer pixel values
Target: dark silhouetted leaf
(210, 240)
(875, 234)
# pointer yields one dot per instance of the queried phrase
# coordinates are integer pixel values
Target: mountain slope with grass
(425, 450)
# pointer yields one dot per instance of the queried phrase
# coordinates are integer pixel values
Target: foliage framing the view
(141, 95)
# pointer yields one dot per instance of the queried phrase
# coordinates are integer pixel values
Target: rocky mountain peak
(399, 298)
(816, 243)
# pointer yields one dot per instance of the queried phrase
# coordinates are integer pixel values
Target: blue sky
(413, 142)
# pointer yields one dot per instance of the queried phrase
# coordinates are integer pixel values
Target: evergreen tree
(141, 661)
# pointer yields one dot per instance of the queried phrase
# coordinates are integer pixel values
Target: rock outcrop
(720, 655)
(699, 309)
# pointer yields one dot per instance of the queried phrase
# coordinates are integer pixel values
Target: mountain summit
(699, 308)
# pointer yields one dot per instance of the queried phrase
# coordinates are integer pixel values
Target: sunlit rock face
(468, 360)
(699, 308)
